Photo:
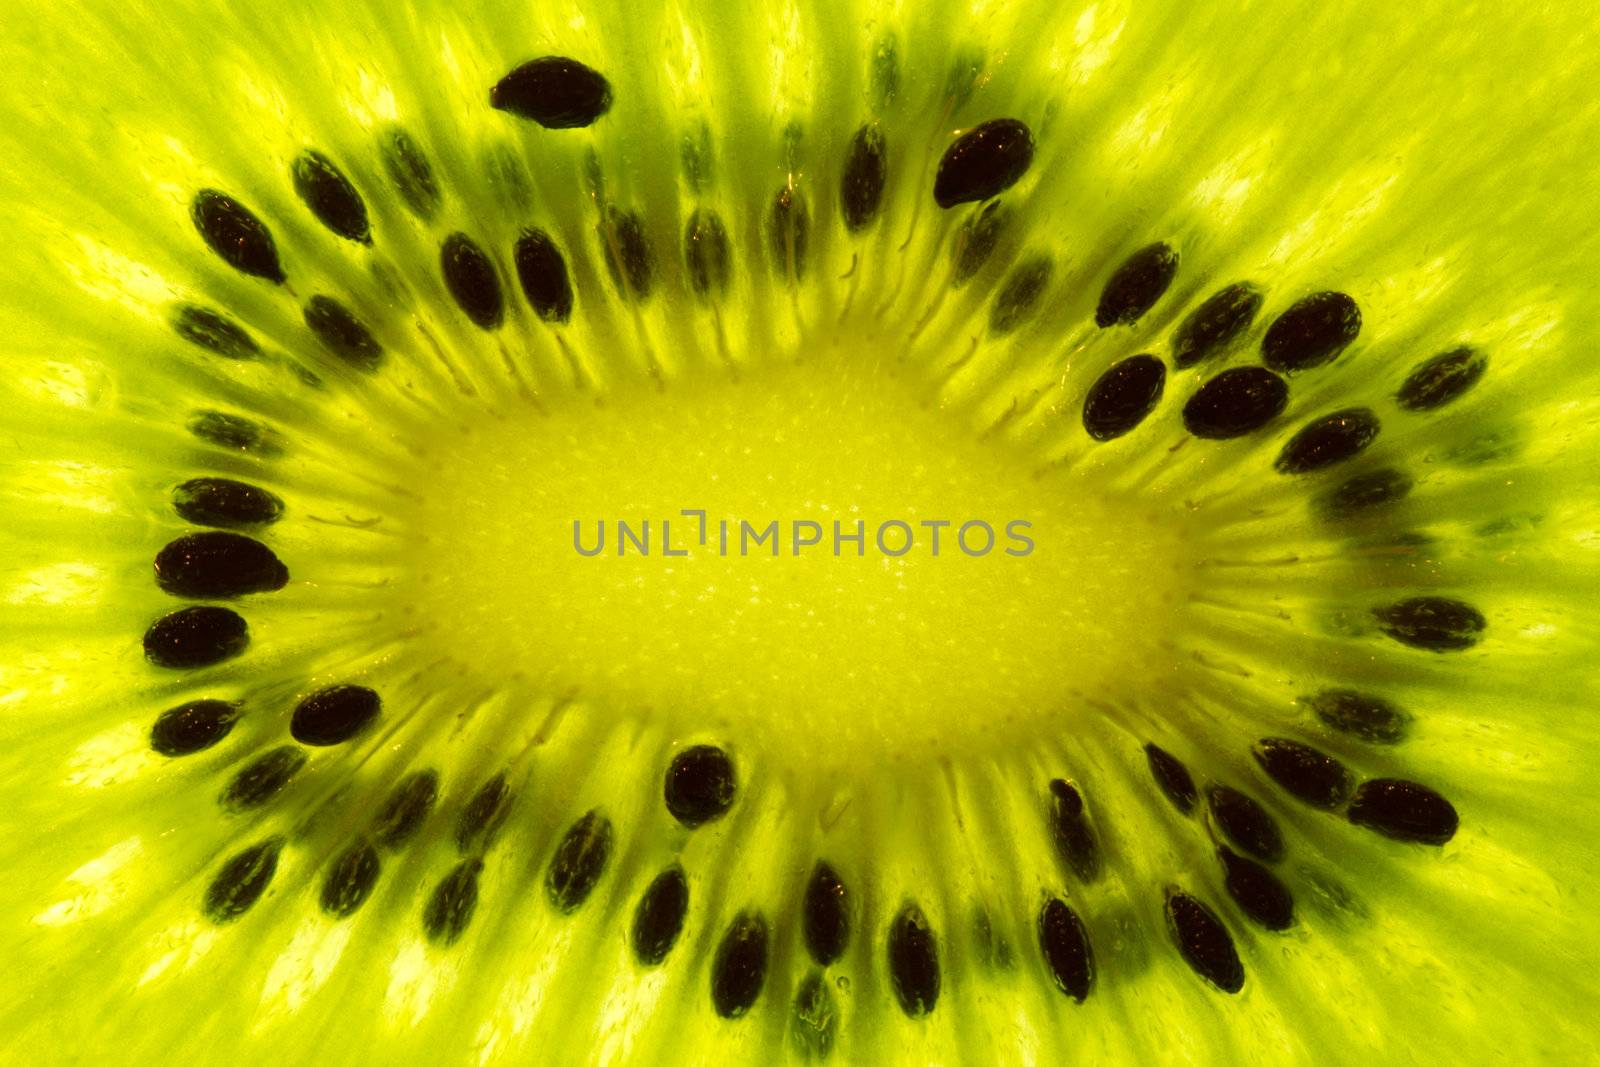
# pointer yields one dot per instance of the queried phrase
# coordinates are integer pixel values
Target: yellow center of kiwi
(841, 642)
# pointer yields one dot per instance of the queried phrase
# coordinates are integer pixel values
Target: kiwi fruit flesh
(829, 531)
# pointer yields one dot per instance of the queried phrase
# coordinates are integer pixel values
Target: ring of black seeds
(700, 784)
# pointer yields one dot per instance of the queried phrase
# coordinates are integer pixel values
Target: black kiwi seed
(483, 815)
(556, 92)
(1432, 623)
(1019, 294)
(1066, 949)
(579, 861)
(627, 253)
(706, 252)
(1135, 286)
(1324, 441)
(195, 637)
(333, 715)
(1173, 778)
(225, 502)
(913, 961)
(324, 189)
(1307, 774)
(700, 785)
(1257, 891)
(866, 170)
(193, 727)
(406, 809)
(1365, 493)
(976, 240)
(408, 168)
(230, 431)
(1246, 823)
(262, 779)
(233, 232)
(472, 281)
(1236, 402)
(543, 274)
(242, 880)
(341, 333)
(826, 920)
(350, 880)
(213, 331)
(1203, 942)
(1120, 398)
(1405, 811)
(1215, 324)
(814, 1018)
(983, 162)
(1437, 381)
(1361, 715)
(217, 564)
(658, 920)
(740, 967)
(1313, 331)
(455, 898)
(1070, 831)
(789, 231)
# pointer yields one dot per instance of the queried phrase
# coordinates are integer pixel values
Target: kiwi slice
(847, 532)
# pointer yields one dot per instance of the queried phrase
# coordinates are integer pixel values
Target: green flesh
(900, 719)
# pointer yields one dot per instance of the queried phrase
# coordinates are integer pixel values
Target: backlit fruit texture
(323, 327)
